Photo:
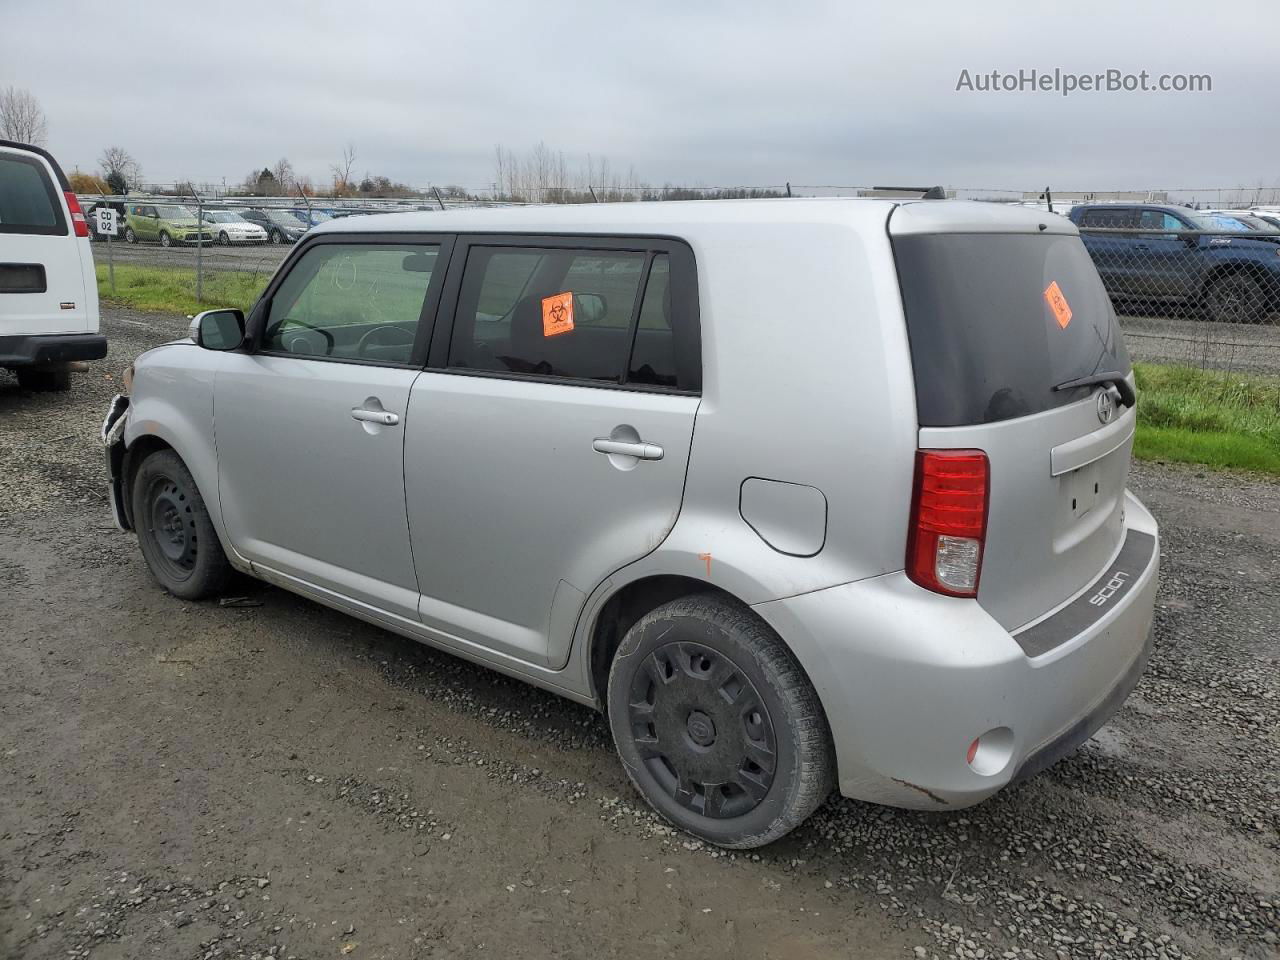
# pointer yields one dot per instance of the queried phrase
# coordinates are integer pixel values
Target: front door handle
(382, 417)
(625, 448)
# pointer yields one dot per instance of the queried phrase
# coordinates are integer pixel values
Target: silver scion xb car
(801, 493)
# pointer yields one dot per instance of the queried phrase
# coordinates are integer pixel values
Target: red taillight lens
(78, 222)
(948, 520)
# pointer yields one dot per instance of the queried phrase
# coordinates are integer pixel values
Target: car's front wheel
(224, 239)
(175, 531)
(277, 236)
(716, 723)
(165, 239)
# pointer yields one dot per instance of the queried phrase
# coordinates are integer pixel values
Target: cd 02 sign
(106, 221)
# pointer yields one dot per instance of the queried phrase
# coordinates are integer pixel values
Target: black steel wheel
(702, 730)
(224, 239)
(716, 723)
(174, 529)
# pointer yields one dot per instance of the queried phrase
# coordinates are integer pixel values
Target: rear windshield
(28, 203)
(997, 320)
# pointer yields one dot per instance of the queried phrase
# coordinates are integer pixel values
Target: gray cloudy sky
(689, 93)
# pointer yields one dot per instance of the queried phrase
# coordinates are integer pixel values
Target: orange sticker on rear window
(1057, 303)
(557, 314)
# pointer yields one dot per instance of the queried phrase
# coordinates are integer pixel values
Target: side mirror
(592, 306)
(218, 329)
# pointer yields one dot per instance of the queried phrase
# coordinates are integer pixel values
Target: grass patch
(174, 291)
(1221, 420)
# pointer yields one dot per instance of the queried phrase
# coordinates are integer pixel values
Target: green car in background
(167, 223)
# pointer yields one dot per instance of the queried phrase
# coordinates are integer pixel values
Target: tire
(36, 380)
(129, 235)
(175, 532)
(703, 699)
(224, 239)
(1235, 298)
(165, 239)
(276, 237)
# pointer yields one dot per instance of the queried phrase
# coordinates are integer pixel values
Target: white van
(48, 290)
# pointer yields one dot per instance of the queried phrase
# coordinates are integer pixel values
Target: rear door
(1113, 253)
(42, 276)
(996, 321)
(547, 444)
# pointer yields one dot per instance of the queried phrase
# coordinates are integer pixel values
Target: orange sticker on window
(1052, 296)
(557, 314)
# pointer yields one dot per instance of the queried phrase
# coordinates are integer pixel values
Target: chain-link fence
(1206, 297)
(215, 245)
(1189, 287)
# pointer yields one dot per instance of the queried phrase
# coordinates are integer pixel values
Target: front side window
(352, 302)
(576, 314)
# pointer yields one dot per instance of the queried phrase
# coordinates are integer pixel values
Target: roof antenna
(926, 193)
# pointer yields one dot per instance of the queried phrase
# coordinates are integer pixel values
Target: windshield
(174, 212)
(995, 321)
(1219, 221)
(284, 219)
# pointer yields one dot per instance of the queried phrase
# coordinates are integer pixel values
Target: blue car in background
(313, 217)
(1223, 269)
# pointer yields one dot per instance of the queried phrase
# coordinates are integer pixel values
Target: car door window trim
(427, 317)
(684, 289)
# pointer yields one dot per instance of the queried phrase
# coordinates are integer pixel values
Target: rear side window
(1114, 218)
(573, 314)
(996, 321)
(28, 201)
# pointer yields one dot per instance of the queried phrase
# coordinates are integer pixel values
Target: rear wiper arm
(1113, 377)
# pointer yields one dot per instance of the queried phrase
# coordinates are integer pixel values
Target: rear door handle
(384, 417)
(625, 448)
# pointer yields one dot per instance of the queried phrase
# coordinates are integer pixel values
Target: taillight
(948, 520)
(78, 222)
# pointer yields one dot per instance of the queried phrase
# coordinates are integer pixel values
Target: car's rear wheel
(716, 724)
(1235, 298)
(35, 379)
(174, 529)
(129, 235)
(165, 239)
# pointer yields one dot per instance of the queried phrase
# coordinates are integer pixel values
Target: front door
(310, 427)
(547, 447)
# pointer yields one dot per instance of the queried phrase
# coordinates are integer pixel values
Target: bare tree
(342, 170)
(283, 172)
(21, 117)
(119, 169)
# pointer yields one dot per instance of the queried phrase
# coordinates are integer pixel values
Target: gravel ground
(274, 779)
(260, 257)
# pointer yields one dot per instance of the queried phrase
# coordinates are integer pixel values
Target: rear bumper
(909, 679)
(43, 350)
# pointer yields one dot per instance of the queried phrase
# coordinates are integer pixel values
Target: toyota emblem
(1106, 406)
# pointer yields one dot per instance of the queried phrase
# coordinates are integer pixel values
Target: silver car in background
(229, 227)
(803, 494)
